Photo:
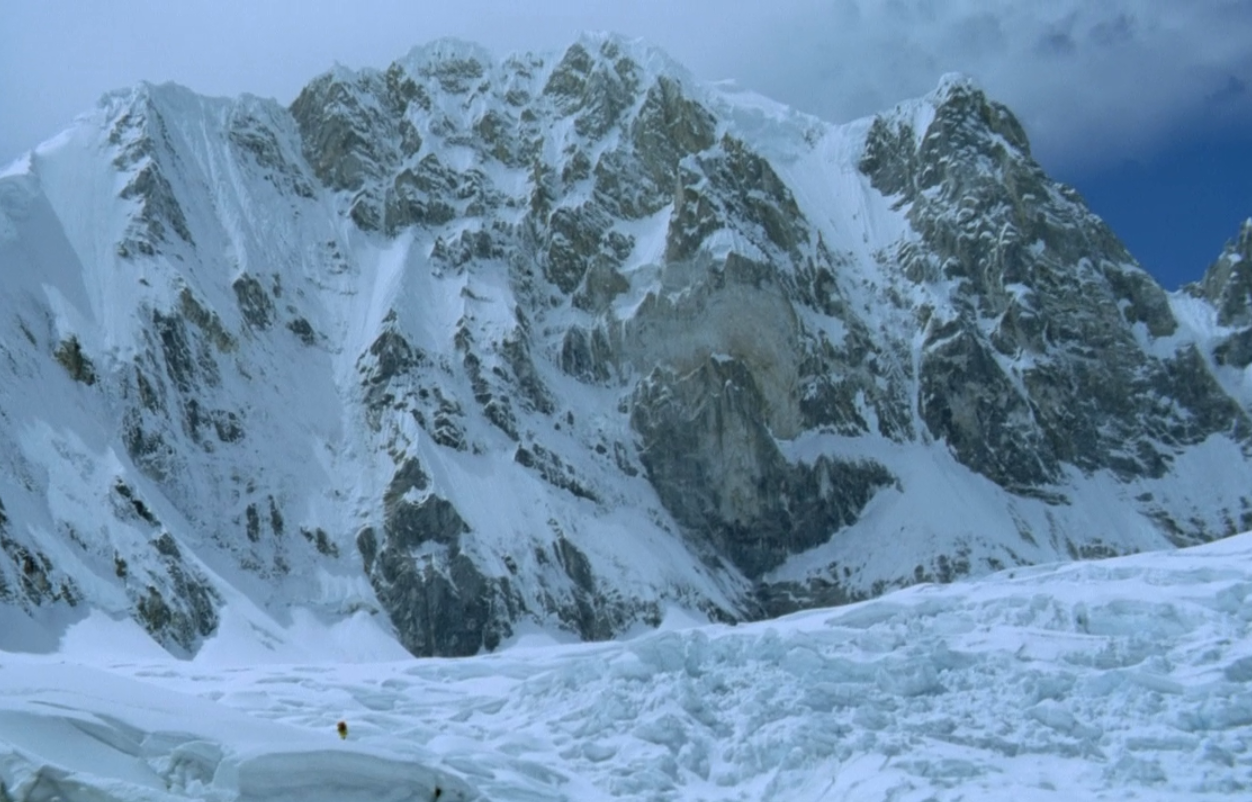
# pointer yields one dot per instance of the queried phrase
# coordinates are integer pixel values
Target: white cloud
(1091, 80)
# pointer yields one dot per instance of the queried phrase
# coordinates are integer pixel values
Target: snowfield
(1124, 679)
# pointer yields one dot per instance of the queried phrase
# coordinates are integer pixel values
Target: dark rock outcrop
(718, 470)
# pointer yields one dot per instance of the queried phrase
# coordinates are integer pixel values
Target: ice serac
(571, 340)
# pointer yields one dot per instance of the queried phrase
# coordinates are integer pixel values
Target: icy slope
(1125, 678)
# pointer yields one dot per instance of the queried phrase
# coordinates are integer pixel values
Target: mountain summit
(572, 341)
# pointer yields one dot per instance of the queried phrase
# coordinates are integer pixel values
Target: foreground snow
(1130, 678)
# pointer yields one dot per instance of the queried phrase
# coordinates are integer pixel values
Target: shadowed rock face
(573, 340)
(438, 600)
(708, 451)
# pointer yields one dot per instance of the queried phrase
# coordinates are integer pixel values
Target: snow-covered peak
(951, 83)
(444, 50)
(167, 98)
(608, 50)
(344, 73)
(654, 61)
(452, 66)
(966, 118)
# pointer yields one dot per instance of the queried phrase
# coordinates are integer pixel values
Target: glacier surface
(1116, 679)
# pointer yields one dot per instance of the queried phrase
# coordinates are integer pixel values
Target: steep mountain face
(1227, 288)
(571, 341)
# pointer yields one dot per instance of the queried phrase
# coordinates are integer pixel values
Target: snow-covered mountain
(572, 341)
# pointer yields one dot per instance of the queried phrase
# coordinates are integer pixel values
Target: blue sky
(1144, 105)
(1175, 207)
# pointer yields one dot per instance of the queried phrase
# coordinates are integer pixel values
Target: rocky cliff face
(571, 341)
(1036, 361)
(1227, 288)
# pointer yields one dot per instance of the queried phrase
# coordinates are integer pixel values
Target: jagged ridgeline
(474, 346)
